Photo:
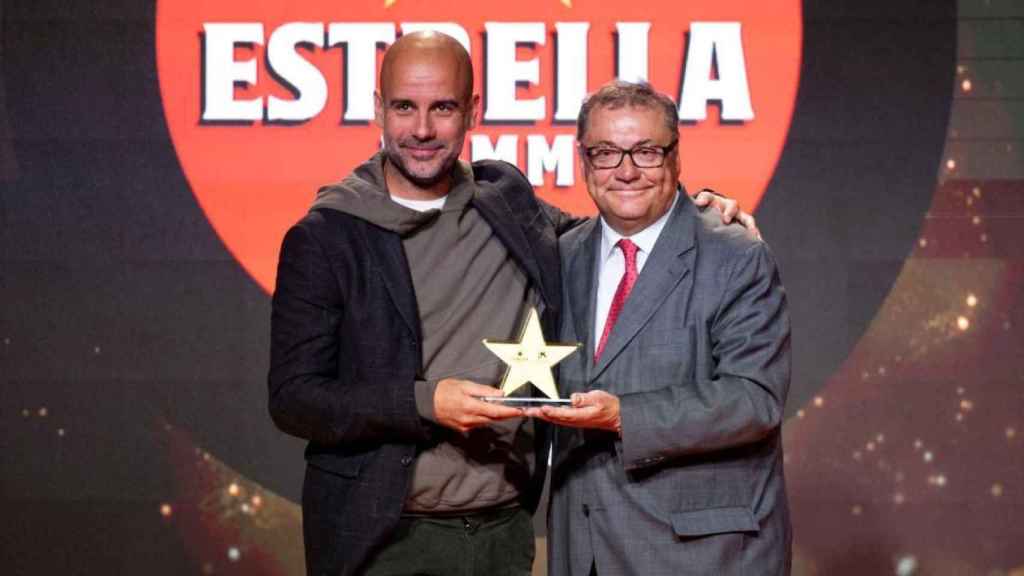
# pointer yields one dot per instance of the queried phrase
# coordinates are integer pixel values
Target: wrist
(424, 392)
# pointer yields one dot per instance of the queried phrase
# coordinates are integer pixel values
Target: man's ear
(474, 112)
(674, 159)
(378, 109)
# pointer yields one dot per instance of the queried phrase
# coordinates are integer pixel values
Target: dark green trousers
(498, 543)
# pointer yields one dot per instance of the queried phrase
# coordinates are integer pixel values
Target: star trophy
(529, 360)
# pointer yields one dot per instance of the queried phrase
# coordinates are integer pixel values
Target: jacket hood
(364, 194)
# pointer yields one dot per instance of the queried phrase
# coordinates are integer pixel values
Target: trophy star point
(530, 359)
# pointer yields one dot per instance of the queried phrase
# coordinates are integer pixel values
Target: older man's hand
(595, 409)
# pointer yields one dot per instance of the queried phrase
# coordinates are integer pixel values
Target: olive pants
(495, 543)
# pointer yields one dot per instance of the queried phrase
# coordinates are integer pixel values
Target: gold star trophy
(529, 360)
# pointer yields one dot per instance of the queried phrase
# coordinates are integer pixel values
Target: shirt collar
(643, 239)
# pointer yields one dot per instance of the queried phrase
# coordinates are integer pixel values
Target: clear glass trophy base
(516, 401)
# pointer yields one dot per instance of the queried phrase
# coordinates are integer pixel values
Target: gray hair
(619, 94)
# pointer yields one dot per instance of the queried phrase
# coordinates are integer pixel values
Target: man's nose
(627, 171)
(424, 129)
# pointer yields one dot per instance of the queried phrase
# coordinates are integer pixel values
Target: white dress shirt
(611, 264)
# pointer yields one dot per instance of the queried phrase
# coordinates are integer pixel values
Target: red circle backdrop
(254, 181)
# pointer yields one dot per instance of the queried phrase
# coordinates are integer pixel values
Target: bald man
(385, 290)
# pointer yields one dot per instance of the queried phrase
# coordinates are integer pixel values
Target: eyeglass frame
(623, 153)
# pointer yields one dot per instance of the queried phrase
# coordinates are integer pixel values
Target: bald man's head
(424, 108)
(426, 45)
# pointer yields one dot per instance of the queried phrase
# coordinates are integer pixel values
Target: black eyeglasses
(645, 156)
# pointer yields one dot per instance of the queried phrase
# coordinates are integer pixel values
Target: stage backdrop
(152, 155)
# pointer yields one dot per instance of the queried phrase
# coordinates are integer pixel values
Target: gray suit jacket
(699, 357)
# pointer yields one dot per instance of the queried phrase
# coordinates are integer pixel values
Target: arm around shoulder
(509, 178)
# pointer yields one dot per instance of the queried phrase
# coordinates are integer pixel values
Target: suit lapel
(394, 269)
(668, 264)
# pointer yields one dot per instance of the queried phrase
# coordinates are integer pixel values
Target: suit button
(586, 510)
(406, 460)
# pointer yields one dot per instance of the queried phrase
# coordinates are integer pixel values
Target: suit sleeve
(307, 397)
(742, 402)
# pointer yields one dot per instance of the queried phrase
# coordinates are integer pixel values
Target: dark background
(133, 348)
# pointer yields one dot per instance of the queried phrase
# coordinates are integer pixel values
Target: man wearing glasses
(670, 461)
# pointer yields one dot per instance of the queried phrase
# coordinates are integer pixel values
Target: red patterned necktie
(621, 293)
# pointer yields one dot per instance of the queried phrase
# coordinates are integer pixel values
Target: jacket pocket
(714, 521)
(347, 466)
